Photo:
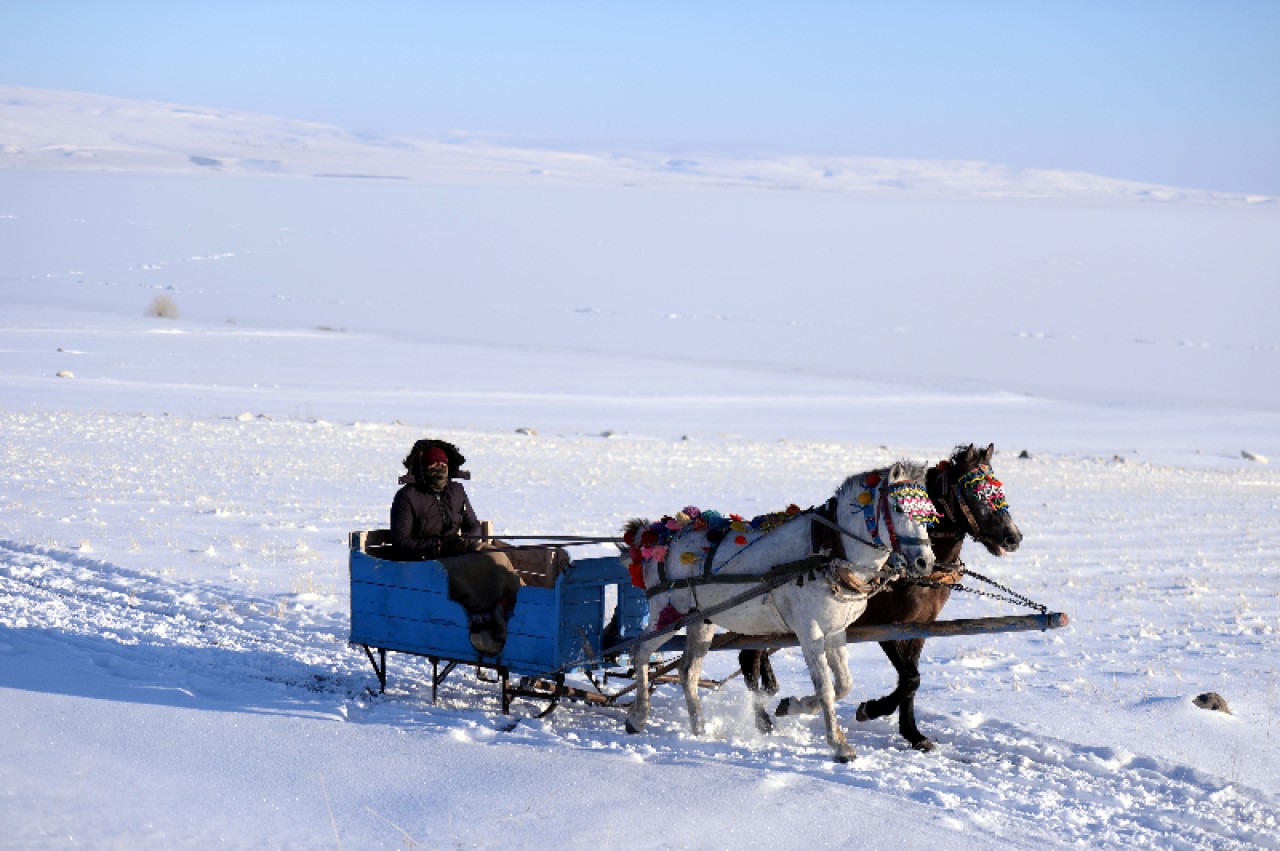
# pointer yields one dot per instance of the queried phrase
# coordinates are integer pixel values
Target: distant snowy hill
(42, 129)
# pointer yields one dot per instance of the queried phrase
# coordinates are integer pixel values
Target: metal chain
(1009, 596)
(1013, 596)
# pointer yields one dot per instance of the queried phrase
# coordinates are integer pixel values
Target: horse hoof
(924, 745)
(632, 728)
(784, 707)
(845, 756)
(861, 714)
(763, 723)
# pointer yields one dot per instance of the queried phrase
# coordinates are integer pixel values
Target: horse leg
(815, 656)
(837, 660)
(883, 706)
(697, 643)
(758, 674)
(638, 715)
(905, 656)
(907, 706)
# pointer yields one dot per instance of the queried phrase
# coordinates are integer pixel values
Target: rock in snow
(1212, 700)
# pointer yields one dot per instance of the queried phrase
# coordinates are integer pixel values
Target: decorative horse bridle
(873, 502)
(980, 481)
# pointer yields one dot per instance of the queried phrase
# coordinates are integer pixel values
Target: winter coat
(427, 525)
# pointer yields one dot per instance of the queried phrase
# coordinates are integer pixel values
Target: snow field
(223, 592)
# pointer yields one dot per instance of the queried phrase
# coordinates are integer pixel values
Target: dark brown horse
(971, 503)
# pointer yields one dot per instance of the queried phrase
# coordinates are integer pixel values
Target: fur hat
(435, 455)
(421, 455)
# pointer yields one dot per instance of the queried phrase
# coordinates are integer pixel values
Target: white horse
(698, 559)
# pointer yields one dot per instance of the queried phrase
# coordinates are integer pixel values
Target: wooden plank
(534, 612)
(896, 632)
(422, 575)
(522, 653)
(601, 570)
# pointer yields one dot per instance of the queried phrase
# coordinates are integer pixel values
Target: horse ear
(989, 452)
(895, 472)
(969, 454)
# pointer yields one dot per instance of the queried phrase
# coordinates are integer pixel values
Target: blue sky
(1171, 92)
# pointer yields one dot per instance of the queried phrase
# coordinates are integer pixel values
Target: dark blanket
(484, 584)
(479, 581)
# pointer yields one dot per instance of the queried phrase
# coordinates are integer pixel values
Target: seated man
(432, 518)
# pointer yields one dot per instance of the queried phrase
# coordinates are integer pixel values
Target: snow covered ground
(173, 605)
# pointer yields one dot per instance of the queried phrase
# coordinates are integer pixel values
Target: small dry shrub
(162, 307)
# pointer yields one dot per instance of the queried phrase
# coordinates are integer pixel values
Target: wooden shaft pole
(895, 632)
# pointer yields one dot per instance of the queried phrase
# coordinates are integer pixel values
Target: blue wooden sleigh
(558, 625)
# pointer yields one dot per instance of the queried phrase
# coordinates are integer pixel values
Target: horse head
(973, 498)
(888, 511)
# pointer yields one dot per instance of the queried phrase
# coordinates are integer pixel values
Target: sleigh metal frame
(558, 627)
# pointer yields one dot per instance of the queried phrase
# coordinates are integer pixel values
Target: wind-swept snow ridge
(42, 129)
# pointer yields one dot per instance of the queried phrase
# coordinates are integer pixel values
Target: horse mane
(957, 454)
(913, 471)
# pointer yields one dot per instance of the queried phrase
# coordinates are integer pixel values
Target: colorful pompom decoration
(985, 488)
(667, 616)
(652, 543)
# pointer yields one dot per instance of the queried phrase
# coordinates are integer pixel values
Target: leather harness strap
(951, 504)
(824, 534)
(888, 516)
